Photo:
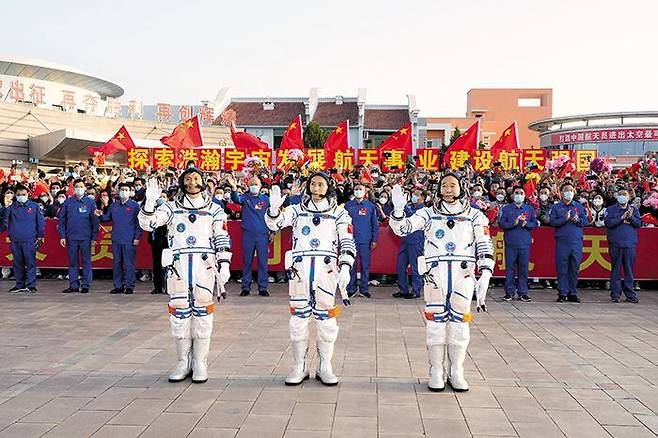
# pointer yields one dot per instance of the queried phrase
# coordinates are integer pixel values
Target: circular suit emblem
(180, 228)
(306, 230)
(315, 243)
(450, 246)
(191, 240)
(439, 234)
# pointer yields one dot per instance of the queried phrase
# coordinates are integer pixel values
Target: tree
(455, 135)
(315, 136)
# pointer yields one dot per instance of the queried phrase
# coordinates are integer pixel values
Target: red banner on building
(595, 263)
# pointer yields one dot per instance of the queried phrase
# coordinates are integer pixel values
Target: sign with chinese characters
(482, 159)
(606, 135)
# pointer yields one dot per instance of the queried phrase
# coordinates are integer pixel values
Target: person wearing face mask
(139, 190)
(78, 227)
(366, 231)
(52, 210)
(55, 187)
(126, 234)
(218, 197)
(598, 211)
(158, 240)
(545, 204)
(26, 230)
(517, 219)
(384, 207)
(622, 221)
(255, 234)
(411, 247)
(568, 217)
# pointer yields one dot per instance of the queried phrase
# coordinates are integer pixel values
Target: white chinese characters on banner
(606, 135)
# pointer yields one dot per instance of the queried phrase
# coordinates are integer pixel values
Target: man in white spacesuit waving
(319, 263)
(456, 242)
(196, 262)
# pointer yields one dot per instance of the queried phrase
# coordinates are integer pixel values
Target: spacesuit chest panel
(449, 237)
(314, 232)
(190, 231)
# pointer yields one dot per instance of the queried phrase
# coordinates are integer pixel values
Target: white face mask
(543, 197)
(124, 194)
(597, 202)
(358, 194)
(383, 200)
(61, 200)
(477, 194)
(500, 198)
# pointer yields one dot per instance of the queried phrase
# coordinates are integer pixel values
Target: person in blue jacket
(517, 219)
(255, 234)
(366, 231)
(622, 222)
(411, 247)
(126, 234)
(568, 217)
(26, 226)
(77, 228)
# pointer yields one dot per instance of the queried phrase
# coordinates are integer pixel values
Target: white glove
(152, 194)
(343, 281)
(224, 273)
(481, 289)
(398, 199)
(276, 200)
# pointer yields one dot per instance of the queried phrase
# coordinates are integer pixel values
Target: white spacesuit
(456, 242)
(196, 263)
(320, 229)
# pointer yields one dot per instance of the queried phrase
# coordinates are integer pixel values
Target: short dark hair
(20, 187)
(515, 188)
(125, 184)
(79, 180)
(566, 183)
(61, 192)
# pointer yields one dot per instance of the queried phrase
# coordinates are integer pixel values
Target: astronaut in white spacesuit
(457, 241)
(319, 263)
(196, 262)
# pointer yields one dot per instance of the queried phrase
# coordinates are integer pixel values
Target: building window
(533, 102)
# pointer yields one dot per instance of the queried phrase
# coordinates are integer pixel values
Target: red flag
(529, 188)
(292, 138)
(399, 140)
(508, 141)
(648, 218)
(338, 140)
(120, 142)
(185, 135)
(468, 142)
(247, 142)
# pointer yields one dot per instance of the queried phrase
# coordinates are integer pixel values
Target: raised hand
(398, 199)
(276, 200)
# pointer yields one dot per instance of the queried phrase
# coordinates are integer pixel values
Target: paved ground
(96, 365)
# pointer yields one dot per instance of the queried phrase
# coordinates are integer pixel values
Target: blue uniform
(517, 246)
(568, 245)
(366, 230)
(78, 224)
(24, 223)
(411, 247)
(622, 240)
(125, 229)
(254, 237)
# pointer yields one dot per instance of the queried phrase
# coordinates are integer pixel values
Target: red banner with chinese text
(595, 263)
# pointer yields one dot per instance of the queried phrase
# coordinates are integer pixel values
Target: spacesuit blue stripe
(434, 305)
(457, 293)
(204, 288)
(298, 299)
(325, 291)
(190, 296)
(311, 276)
(449, 280)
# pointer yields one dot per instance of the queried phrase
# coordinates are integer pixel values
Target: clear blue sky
(596, 55)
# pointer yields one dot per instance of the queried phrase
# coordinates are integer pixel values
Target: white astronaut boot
(184, 366)
(436, 351)
(327, 334)
(200, 349)
(299, 345)
(458, 337)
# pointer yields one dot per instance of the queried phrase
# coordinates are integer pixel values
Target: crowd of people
(81, 196)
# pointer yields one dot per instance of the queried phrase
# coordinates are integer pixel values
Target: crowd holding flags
(392, 154)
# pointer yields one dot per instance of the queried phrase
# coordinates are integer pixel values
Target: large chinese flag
(400, 140)
(292, 138)
(185, 135)
(338, 140)
(120, 142)
(508, 141)
(468, 142)
(247, 142)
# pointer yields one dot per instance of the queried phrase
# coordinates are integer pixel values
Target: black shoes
(84, 290)
(263, 293)
(573, 299)
(507, 297)
(632, 300)
(244, 293)
(69, 290)
(17, 289)
(157, 292)
(398, 295)
(116, 290)
(32, 290)
(615, 300)
(561, 299)
(366, 294)
(128, 291)
(409, 296)
(525, 299)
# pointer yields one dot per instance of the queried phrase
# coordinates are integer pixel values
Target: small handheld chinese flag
(185, 135)
(247, 142)
(468, 142)
(120, 142)
(508, 141)
(338, 140)
(292, 138)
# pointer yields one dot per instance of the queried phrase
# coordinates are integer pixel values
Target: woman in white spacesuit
(197, 262)
(319, 263)
(456, 242)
